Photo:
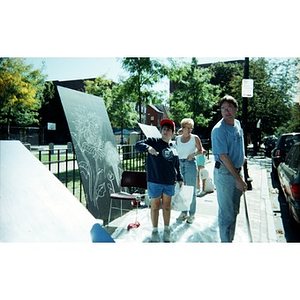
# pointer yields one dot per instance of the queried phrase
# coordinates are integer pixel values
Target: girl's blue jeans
(189, 172)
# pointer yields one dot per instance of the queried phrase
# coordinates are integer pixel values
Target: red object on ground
(135, 203)
(133, 225)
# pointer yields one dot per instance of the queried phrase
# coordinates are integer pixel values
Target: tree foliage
(101, 87)
(124, 100)
(194, 96)
(122, 112)
(144, 73)
(274, 82)
(223, 73)
(120, 109)
(21, 92)
(293, 125)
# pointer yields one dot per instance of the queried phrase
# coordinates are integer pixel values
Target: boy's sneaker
(190, 219)
(182, 217)
(167, 235)
(155, 237)
(201, 194)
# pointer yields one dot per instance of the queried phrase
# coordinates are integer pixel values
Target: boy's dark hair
(169, 126)
(229, 99)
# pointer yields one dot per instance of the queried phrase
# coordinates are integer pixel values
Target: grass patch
(44, 158)
(72, 181)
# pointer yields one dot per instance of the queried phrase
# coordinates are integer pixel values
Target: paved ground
(205, 229)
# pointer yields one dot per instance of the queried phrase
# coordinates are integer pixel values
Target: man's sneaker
(190, 219)
(167, 235)
(155, 237)
(182, 217)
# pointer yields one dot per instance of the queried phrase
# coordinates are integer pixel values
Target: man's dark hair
(229, 99)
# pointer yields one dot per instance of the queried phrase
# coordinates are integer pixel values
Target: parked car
(289, 179)
(284, 144)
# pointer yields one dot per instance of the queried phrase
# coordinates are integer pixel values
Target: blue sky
(66, 68)
(77, 68)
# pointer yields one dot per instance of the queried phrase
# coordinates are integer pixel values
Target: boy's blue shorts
(156, 189)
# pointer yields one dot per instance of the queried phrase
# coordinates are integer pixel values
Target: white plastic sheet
(182, 199)
(203, 230)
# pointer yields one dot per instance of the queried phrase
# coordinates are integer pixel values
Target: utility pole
(248, 180)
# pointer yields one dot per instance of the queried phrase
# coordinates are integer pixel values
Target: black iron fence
(62, 162)
(131, 160)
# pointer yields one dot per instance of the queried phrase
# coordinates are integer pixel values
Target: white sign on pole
(247, 88)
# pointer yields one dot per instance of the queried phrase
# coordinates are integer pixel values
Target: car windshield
(293, 158)
(289, 141)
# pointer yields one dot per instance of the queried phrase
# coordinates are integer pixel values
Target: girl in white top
(188, 147)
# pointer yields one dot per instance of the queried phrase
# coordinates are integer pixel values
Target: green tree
(293, 125)
(223, 73)
(274, 87)
(144, 73)
(21, 93)
(193, 96)
(101, 87)
(274, 82)
(48, 105)
(120, 109)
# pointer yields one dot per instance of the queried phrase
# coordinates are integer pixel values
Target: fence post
(58, 164)
(51, 148)
(67, 167)
(70, 147)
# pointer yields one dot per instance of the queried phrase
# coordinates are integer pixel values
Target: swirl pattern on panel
(99, 161)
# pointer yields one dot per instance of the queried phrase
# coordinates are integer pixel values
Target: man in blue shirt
(229, 153)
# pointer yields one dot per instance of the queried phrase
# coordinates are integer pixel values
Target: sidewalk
(205, 228)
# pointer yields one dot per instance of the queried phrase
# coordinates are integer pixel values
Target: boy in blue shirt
(162, 167)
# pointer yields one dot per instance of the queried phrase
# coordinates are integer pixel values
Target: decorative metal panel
(95, 148)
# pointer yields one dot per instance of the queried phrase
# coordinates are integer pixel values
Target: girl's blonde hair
(187, 121)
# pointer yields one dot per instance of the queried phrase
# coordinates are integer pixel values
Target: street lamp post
(248, 180)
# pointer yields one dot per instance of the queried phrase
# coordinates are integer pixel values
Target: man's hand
(241, 185)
